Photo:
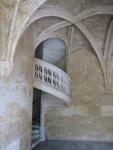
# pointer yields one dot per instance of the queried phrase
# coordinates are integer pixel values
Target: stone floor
(74, 145)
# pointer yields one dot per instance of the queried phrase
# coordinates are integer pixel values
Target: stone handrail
(52, 80)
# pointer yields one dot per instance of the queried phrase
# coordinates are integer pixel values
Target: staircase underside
(74, 145)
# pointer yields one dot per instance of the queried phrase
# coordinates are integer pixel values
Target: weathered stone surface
(16, 99)
(14, 145)
(107, 111)
(87, 118)
(80, 128)
(25, 143)
(89, 63)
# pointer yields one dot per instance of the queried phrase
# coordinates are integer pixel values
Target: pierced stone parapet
(52, 80)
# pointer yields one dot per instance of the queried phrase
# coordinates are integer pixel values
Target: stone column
(16, 100)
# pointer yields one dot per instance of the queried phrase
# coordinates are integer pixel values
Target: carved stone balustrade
(52, 80)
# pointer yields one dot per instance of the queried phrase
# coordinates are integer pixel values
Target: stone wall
(16, 99)
(90, 115)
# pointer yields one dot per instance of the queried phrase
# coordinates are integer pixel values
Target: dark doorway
(37, 92)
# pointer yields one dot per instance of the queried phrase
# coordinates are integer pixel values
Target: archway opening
(52, 51)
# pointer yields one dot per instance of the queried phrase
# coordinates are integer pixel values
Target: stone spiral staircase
(52, 80)
(51, 84)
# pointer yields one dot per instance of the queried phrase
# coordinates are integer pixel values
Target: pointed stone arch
(70, 18)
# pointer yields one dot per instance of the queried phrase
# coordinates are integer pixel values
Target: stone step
(35, 132)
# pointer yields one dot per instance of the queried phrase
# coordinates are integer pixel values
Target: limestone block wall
(16, 99)
(90, 115)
